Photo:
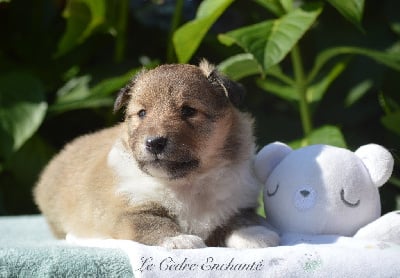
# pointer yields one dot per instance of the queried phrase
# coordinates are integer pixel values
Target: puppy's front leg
(152, 225)
(251, 231)
(246, 229)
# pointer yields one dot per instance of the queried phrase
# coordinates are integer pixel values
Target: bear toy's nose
(156, 144)
(305, 193)
(305, 197)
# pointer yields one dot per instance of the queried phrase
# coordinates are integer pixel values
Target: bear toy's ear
(378, 161)
(268, 158)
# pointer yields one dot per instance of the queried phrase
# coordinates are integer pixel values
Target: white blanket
(298, 256)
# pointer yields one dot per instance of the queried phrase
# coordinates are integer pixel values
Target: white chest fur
(200, 203)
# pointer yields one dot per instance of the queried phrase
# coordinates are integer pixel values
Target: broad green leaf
(188, 37)
(240, 66)
(357, 92)
(391, 60)
(352, 10)
(252, 38)
(22, 110)
(83, 18)
(287, 5)
(273, 6)
(287, 31)
(329, 135)
(392, 122)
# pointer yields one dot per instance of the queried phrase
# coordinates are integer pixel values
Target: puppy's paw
(183, 242)
(252, 237)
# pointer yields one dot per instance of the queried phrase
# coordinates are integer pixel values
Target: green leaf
(188, 37)
(75, 89)
(352, 10)
(391, 60)
(287, 31)
(77, 93)
(252, 38)
(287, 5)
(29, 159)
(392, 122)
(83, 18)
(388, 104)
(395, 27)
(274, 6)
(282, 91)
(22, 110)
(316, 91)
(357, 92)
(329, 135)
(270, 41)
(240, 66)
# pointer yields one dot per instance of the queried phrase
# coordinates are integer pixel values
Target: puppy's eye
(142, 113)
(188, 112)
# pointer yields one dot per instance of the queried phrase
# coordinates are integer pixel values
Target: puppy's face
(179, 119)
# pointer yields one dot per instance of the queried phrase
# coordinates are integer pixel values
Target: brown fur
(85, 192)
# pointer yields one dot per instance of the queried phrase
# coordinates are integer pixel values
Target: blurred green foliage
(322, 71)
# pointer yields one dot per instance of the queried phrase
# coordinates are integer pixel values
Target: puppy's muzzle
(156, 145)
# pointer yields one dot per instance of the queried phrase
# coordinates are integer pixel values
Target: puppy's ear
(125, 93)
(233, 90)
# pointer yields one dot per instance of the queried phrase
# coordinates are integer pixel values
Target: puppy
(176, 173)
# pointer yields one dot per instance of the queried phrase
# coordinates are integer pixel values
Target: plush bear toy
(326, 190)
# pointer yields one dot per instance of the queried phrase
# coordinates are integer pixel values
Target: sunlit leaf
(329, 135)
(83, 18)
(240, 66)
(287, 5)
(287, 31)
(188, 37)
(252, 38)
(270, 41)
(22, 110)
(352, 10)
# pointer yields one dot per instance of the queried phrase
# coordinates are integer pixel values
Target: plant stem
(301, 88)
(120, 40)
(176, 19)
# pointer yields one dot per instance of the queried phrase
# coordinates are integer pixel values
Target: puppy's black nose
(156, 145)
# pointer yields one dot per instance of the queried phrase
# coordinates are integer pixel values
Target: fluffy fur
(176, 173)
